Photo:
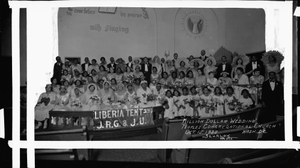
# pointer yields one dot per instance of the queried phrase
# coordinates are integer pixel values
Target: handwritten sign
(214, 128)
(120, 118)
(143, 15)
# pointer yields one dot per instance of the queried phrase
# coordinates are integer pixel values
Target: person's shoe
(45, 124)
(38, 125)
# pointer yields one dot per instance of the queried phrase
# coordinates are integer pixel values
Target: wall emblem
(194, 24)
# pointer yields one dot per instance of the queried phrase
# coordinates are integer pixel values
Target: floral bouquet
(235, 105)
(137, 99)
(95, 99)
(76, 103)
(202, 103)
(211, 105)
(151, 97)
(130, 78)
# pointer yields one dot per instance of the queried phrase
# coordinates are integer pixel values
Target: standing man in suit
(223, 67)
(86, 64)
(57, 70)
(203, 56)
(130, 63)
(272, 97)
(254, 64)
(112, 64)
(146, 69)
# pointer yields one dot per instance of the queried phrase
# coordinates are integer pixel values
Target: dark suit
(273, 99)
(114, 65)
(131, 66)
(57, 71)
(220, 69)
(260, 65)
(147, 74)
(83, 66)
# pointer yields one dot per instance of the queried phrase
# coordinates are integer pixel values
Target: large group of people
(192, 86)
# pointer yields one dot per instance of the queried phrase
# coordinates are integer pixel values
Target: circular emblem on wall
(194, 24)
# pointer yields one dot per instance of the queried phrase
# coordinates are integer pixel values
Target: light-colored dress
(212, 81)
(176, 105)
(121, 97)
(204, 111)
(189, 81)
(155, 77)
(131, 96)
(138, 75)
(119, 77)
(246, 102)
(208, 69)
(109, 76)
(95, 78)
(142, 94)
(200, 80)
(66, 77)
(56, 89)
(76, 102)
(169, 113)
(228, 110)
(106, 96)
(186, 110)
(41, 109)
(102, 75)
(63, 101)
(219, 101)
(269, 68)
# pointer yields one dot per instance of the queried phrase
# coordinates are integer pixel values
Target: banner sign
(122, 118)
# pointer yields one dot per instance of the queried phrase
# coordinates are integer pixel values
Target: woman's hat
(144, 82)
(224, 73)
(156, 59)
(137, 60)
(200, 62)
(213, 60)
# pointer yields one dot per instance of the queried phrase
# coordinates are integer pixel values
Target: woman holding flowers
(219, 102)
(76, 100)
(184, 103)
(62, 99)
(121, 95)
(143, 92)
(206, 103)
(107, 94)
(45, 103)
(92, 98)
(230, 101)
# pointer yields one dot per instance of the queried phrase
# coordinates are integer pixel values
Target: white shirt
(254, 65)
(272, 84)
(86, 66)
(129, 64)
(146, 67)
(223, 67)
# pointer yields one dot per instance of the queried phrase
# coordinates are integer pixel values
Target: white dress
(142, 94)
(204, 111)
(228, 110)
(186, 110)
(245, 102)
(169, 113)
(219, 100)
(42, 110)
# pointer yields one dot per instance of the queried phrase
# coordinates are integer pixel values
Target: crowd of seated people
(184, 86)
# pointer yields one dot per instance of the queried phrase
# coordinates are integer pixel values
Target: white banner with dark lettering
(121, 118)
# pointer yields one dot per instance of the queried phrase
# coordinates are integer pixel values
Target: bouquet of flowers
(211, 105)
(137, 99)
(202, 103)
(95, 99)
(235, 105)
(151, 97)
(76, 103)
(130, 78)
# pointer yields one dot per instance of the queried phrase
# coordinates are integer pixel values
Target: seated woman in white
(180, 80)
(102, 72)
(138, 73)
(111, 74)
(84, 78)
(54, 85)
(67, 86)
(107, 94)
(89, 81)
(121, 95)
(76, 76)
(246, 99)
(131, 94)
(240, 79)
(205, 101)
(165, 80)
(189, 79)
(76, 100)
(200, 79)
(62, 99)
(172, 78)
(229, 97)
(113, 84)
(119, 75)
(211, 80)
(92, 98)
(219, 101)
(45, 103)
(182, 67)
(66, 76)
(128, 74)
(143, 91)
(95, 76)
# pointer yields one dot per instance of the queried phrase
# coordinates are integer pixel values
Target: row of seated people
(188, 99)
